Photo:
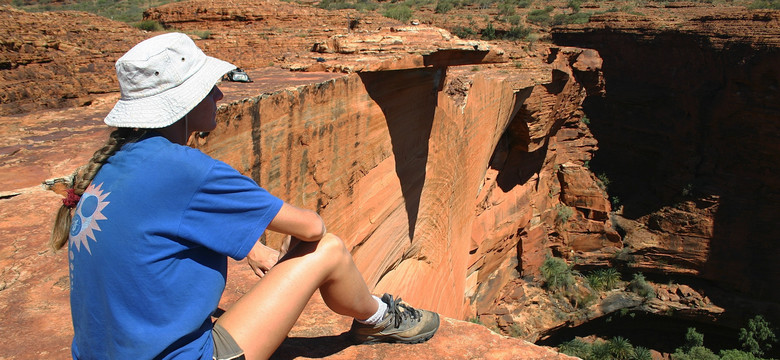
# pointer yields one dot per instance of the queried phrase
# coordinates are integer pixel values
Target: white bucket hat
(161, 79)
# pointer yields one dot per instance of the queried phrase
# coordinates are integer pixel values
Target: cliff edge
(412, 144)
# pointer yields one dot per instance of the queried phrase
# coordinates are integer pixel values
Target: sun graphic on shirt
(86, 216)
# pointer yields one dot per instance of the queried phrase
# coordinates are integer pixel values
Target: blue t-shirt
(148, 250)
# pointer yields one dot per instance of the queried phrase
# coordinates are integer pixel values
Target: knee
(333, 247)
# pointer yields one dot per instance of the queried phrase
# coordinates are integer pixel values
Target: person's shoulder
(165, 147)
(160, 151)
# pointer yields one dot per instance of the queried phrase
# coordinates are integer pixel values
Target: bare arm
(302, 224)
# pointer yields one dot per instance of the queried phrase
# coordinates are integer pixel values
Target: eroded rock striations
(436, 176)
(450, 173)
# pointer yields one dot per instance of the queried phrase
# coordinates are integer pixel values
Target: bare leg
(261, 319)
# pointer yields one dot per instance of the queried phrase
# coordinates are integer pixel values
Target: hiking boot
(401, 324)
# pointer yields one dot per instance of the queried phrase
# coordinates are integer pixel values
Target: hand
(262, 258)
(289, 243)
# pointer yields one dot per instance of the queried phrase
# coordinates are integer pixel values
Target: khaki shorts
(225, 347)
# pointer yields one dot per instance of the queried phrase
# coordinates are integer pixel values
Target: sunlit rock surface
(432, 174)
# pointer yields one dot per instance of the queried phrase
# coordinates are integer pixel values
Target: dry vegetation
(527, 20)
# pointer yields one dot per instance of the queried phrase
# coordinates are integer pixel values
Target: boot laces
(400, 311)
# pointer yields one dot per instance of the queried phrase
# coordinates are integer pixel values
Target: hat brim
(169, 106)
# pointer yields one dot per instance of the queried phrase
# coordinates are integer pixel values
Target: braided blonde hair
(83, 177)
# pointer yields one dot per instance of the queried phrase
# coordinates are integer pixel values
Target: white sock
(378, 315)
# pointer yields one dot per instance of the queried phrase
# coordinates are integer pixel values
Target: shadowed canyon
(452, 168)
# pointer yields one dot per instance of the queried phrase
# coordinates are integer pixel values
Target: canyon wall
(450, 168)
(446, 180)
(434, 176)
(688, 137)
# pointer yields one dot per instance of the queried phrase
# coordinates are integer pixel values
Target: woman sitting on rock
(151, 222)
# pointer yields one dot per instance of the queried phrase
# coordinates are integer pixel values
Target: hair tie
(71, 200)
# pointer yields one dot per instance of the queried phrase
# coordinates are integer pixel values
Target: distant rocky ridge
(58, 59)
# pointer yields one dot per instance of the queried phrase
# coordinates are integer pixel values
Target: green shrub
(362, 5)
(128, 11)
(603, 181)
(616, 348)
(697, 353)
(514, 19)
(595, 281)
(335, 4)
(576, 347)
(202, 34)
(506, 9)
(486, 4)
(517, 33)
(489, 32)
(765, 4)
(418, 4)
(148, 25)
(463, 32)
(540, 17)
(693, 339)
(556, 273)
(443, 6)
(575, 18)
(758, 337)
(603, 279)
(574, 5)
(736, 355)
(640, 286)
(600, 351)
(641, 353)
(620, 348)
(563, 214)
(400, 12)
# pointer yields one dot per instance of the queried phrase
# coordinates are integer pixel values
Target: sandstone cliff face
(687, 135)
(439, 178)
(434, 176)
(450, 183)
